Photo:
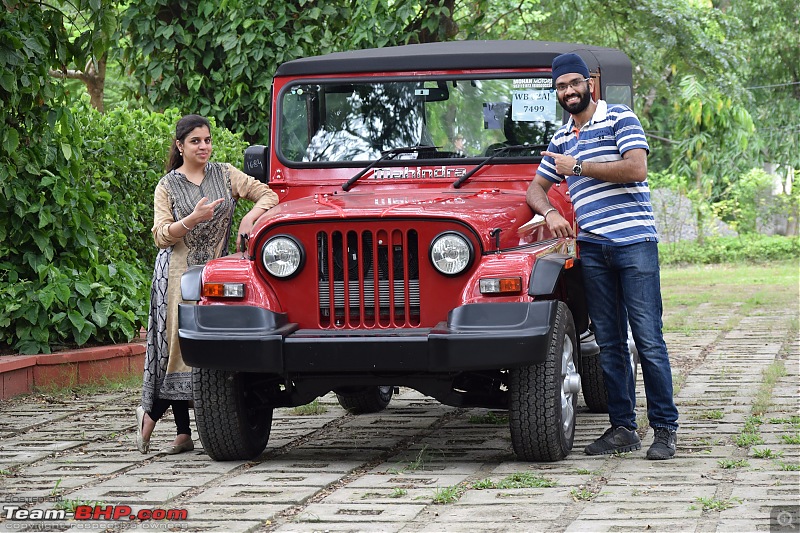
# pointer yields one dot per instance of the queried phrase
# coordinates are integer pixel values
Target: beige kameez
(165, 374)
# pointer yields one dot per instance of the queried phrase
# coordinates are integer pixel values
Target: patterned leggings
(180, 410)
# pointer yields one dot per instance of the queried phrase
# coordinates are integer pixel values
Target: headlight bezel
(469, 250)
(301, 253)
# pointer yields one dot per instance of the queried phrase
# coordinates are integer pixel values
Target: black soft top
(458, 55)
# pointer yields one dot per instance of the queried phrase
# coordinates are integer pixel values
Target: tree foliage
(217, 58)
(710, 131)
(717, 86)
(56, 285)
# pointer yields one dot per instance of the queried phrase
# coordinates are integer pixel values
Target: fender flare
(192, 283)
(553, 271)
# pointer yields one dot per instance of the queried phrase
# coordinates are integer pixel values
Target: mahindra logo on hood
(398, 173)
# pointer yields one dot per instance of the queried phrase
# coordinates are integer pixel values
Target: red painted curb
(21, 374)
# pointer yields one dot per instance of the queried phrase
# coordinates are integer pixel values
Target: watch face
(577, 169)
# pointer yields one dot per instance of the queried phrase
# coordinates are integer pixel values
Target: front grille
(368, 278)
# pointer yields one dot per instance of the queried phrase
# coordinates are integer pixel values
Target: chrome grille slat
(369, 296)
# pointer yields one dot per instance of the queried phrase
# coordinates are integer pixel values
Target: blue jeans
(623, 286)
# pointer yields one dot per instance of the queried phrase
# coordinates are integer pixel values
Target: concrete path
(423, 467)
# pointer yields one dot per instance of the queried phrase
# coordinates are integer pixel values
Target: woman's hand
(204, 210)
(247, 224)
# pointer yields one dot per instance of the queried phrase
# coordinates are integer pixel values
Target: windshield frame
(435, 77)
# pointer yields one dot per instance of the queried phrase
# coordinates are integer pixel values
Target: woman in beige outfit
(193, 205)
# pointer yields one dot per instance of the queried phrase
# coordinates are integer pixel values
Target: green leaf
(10, 140)
(76, 319)
(83, 288)
(66, 149)
(46, 297)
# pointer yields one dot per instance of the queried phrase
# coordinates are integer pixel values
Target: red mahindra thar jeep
(402, 252)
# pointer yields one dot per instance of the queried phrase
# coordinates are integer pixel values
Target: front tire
(544, 397)
(233, 420)
(363, 400)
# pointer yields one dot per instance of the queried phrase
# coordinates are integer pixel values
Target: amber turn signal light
(223, 290)
(500, 285)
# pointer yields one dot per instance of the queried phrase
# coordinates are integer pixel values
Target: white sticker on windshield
(533, 105)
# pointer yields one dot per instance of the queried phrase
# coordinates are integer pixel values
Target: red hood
(483, 210)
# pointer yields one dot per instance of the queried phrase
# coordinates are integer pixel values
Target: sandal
(141, 444)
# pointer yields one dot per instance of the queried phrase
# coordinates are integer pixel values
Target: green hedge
(125, 151)
(750, 248)
(77, 251)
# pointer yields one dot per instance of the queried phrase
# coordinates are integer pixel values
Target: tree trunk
(699, 208)
(93, 76)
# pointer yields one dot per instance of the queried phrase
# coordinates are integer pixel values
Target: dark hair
(184, 126)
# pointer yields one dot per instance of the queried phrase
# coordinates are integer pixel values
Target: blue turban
(569, 64)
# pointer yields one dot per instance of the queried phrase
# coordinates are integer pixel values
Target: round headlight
(282, 256)
(451, 253)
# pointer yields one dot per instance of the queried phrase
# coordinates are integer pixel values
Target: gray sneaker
(615, 440)
(663, 446)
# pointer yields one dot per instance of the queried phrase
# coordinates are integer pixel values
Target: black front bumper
(475, 337)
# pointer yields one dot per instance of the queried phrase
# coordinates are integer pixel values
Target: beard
(579, 106)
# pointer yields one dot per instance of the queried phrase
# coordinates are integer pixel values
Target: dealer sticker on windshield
(533, 100)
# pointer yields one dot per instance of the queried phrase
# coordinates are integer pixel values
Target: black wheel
(592, 382)
(363, 400)
(233, 419)
(544, 397)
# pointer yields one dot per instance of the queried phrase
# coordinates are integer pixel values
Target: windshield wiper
(500, 151)
(386, 155)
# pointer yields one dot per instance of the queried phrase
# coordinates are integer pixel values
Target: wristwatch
(577, 169)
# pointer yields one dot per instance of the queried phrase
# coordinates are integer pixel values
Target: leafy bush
(55, 284)
(76, 243)
(125, 152)
(753, 248)
(746, 200)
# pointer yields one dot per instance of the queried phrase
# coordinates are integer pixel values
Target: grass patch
(447, 494)
(730, 463)
(417, 464)
(716, 414)
(309, 409)
(71, 505)
(99, 385)
(726, 285)
(581, 494)
(763, 398)
(746, 440)
(791, 467)
(792, 421)
(489, 418)
(791, 439)
(766, 453)
(517, 480)
(715, 504)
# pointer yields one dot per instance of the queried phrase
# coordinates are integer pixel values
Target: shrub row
(749, 248)
(77, 251)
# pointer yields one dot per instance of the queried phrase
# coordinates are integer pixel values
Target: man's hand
(559, 225)
(564, 163)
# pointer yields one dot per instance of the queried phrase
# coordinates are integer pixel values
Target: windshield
(356, 121)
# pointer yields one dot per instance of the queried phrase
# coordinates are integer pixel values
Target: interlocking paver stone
(388, 471)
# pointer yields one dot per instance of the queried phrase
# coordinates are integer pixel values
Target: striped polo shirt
(607, 213)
